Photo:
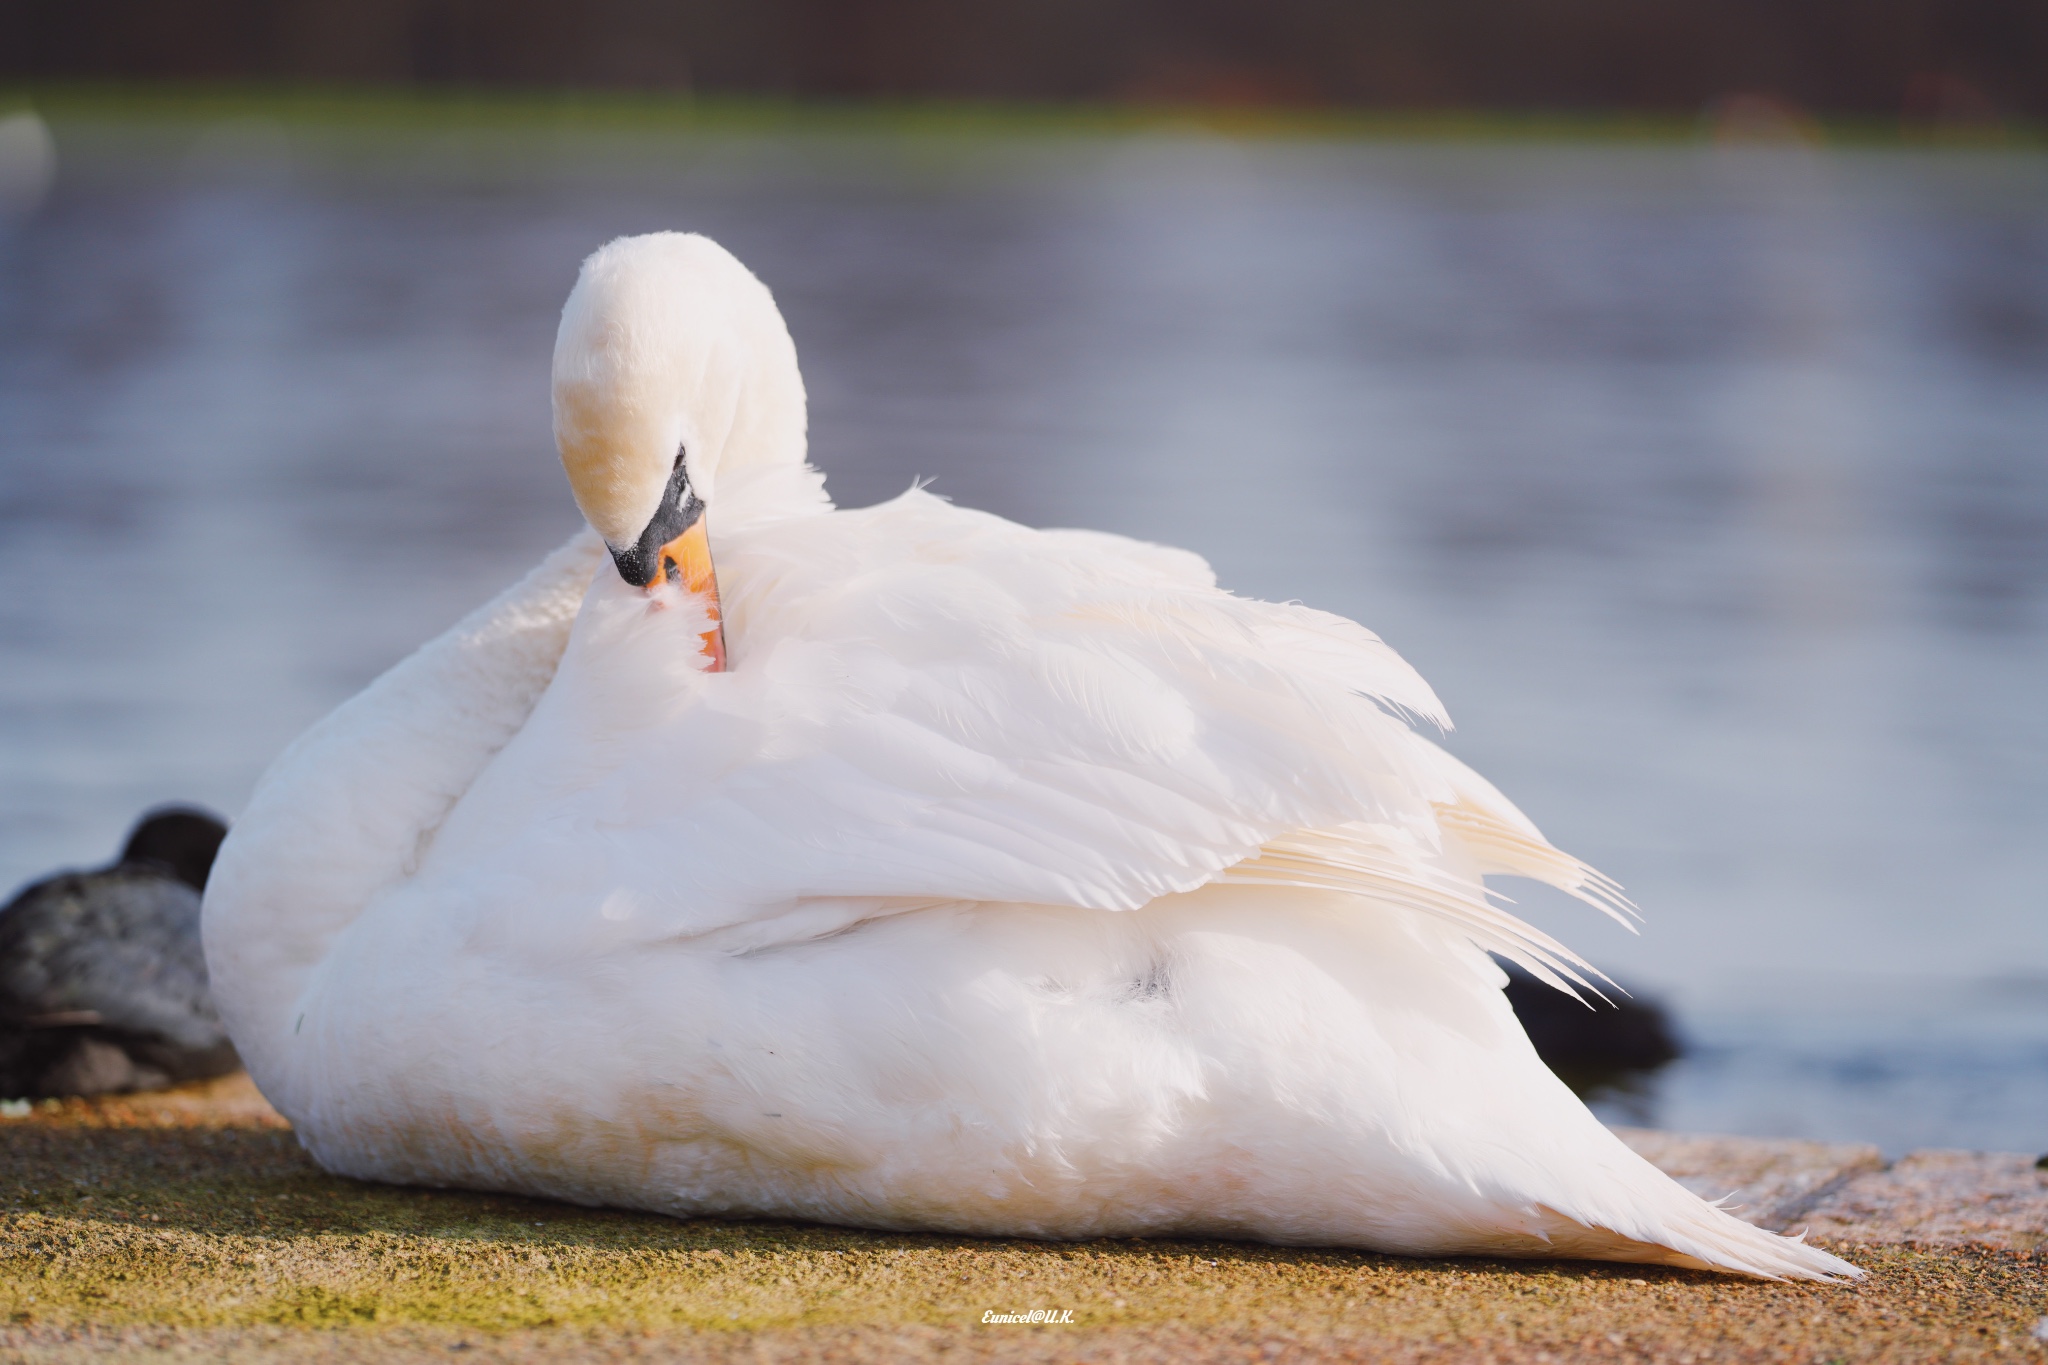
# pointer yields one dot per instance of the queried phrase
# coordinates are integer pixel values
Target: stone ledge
(189, 1226)
(1773, 1183)
(1836, 1191)
(1942, 1198)
(1847, 1192)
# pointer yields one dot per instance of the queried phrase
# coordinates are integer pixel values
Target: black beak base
(680, 509)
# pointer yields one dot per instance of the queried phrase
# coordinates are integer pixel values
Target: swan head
(674, 380)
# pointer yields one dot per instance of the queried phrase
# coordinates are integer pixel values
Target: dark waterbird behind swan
(102, 981)
(1596, 1044)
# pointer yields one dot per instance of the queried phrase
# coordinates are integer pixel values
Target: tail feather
(1638, 1213)
(1708, 1238)
(1740, 1249)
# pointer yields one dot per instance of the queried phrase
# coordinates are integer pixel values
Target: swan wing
(930, 705)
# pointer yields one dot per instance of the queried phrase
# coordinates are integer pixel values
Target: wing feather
(932, 705)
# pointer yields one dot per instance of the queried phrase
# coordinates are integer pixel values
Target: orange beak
(687, 560)
(674, 546)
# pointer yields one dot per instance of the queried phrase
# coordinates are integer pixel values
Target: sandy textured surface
(189, 1226)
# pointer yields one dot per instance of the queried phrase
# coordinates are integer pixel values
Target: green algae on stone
(196, 1231)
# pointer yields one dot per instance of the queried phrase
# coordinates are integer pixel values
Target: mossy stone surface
(194, 1226)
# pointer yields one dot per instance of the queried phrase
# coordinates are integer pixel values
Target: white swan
(1008, 881)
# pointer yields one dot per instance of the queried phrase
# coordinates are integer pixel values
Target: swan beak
(686, 561)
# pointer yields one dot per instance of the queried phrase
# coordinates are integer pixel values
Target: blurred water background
(1707, 483)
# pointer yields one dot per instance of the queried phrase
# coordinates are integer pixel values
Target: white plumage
(1009, 881)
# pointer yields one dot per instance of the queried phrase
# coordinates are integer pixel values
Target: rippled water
(1708, 486)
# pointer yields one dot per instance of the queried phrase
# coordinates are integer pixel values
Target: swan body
(919, 870)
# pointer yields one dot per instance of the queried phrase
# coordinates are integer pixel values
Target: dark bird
(1596, 1043)
(102, 980)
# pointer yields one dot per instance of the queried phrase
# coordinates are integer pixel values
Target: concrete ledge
(1847, 1192)
(1941, 1198)
(1837, 1191)
(190, 1226)
(1773, 1183)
